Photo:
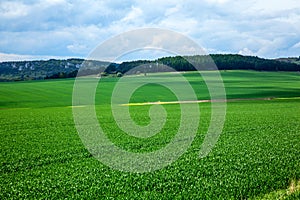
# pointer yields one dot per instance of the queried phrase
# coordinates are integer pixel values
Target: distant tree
(102, 74)
(119, 74)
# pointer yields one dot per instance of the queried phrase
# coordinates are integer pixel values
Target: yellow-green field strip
(204, 101)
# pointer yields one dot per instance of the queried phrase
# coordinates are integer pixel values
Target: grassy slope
(258, 152)
(239, 84)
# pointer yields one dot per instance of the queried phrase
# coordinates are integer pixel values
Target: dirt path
(197, 101)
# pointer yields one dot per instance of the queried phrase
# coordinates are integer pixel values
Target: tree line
(52, 69)
(206, 62)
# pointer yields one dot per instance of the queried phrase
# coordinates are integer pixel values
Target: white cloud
(65, 27)
(18, 57)
(297, 45)
(77, 48)
(134, 14)
(53, 2)
(275, 5)
(185, 25)
(13, 9)
(173, 10)
(217, 1)
(245, 51)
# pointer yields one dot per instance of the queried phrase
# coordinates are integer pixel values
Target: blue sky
(60, 28)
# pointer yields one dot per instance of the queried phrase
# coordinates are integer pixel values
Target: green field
(257, 154)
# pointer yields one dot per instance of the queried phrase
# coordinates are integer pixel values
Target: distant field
(257, 155)
(239, 84)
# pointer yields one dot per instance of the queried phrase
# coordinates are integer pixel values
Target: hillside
(51, 69)
(290, 60)
(204, 62)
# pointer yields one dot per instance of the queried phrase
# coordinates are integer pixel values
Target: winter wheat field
(256, 156)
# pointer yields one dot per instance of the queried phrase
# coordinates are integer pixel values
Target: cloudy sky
(35, 29)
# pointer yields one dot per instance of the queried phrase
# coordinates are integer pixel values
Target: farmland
(256, 155)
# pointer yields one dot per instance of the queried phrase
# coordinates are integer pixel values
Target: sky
(46, 29)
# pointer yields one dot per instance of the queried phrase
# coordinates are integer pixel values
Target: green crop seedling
(257, 155)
